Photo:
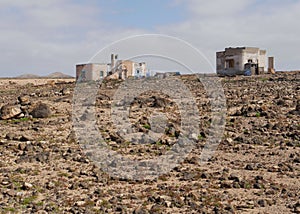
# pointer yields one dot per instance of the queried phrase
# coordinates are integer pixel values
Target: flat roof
(92, 63)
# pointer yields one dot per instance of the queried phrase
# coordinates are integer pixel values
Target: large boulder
(41, 110)
(9, 112)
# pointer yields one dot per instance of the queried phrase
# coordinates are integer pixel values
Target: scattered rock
(262, 203)
(140, 210)
(80, 203)
(297, 109)
(27, 186)
(65, 91)
(50, 185)
(235, 177)
(25, 137)
(43, 168)
(297, 207)
(24, 100)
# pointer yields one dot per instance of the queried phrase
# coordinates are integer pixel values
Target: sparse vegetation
(147, 126)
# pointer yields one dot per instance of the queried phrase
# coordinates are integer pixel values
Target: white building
(116, 69)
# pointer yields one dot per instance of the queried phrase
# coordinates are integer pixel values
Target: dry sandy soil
(255, 169)
(40, 81)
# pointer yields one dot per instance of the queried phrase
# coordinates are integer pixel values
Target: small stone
(27, 186)
(50, 185)
(5, 183)
(296, 160)
(204, 175)
(11, 193)
(230, 208)
(24, 100)
(297, 207)
(20, 194)
(65, 91)
(249, 167)
(10, 136)
(234, 177)
(236, 185)
(259, 178)
(140, 210)
(167, 200)
(226, 184)
(20, 116)
(157, 209)
(229, 140)
(26, 138)
(80, 203)
(257, 186)
(262, 202)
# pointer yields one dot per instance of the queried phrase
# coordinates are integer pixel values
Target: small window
(230, 63)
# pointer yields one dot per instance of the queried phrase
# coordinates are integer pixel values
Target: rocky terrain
(255, 169)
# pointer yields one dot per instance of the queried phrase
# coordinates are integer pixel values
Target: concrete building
(241, 61)
(116, 69)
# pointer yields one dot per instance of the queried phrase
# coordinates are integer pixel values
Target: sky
(42, 37)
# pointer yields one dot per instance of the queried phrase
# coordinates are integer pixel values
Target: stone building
(240, 60)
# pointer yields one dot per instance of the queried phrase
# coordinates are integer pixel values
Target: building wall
(99, 71)
(263, 60)
(122, 70)
(128, 68)
(140, 69)
(233, 60)
(89, 72)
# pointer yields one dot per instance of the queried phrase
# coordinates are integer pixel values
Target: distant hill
(56, 75)
(28, 76)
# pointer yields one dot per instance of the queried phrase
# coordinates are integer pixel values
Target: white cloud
(214, 25)
(41, 37)
(52, 35)
(217, 8)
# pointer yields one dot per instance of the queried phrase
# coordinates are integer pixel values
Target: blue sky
(42, 37)
(141, 14)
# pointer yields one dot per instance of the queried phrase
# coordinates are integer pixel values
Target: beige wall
(91, 71)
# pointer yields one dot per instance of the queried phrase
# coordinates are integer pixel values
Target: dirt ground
(255, 169)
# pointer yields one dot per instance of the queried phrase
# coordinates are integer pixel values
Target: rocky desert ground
(255, 169)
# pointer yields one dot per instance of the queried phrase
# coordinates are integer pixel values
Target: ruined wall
(230, 60)
(233, 60)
